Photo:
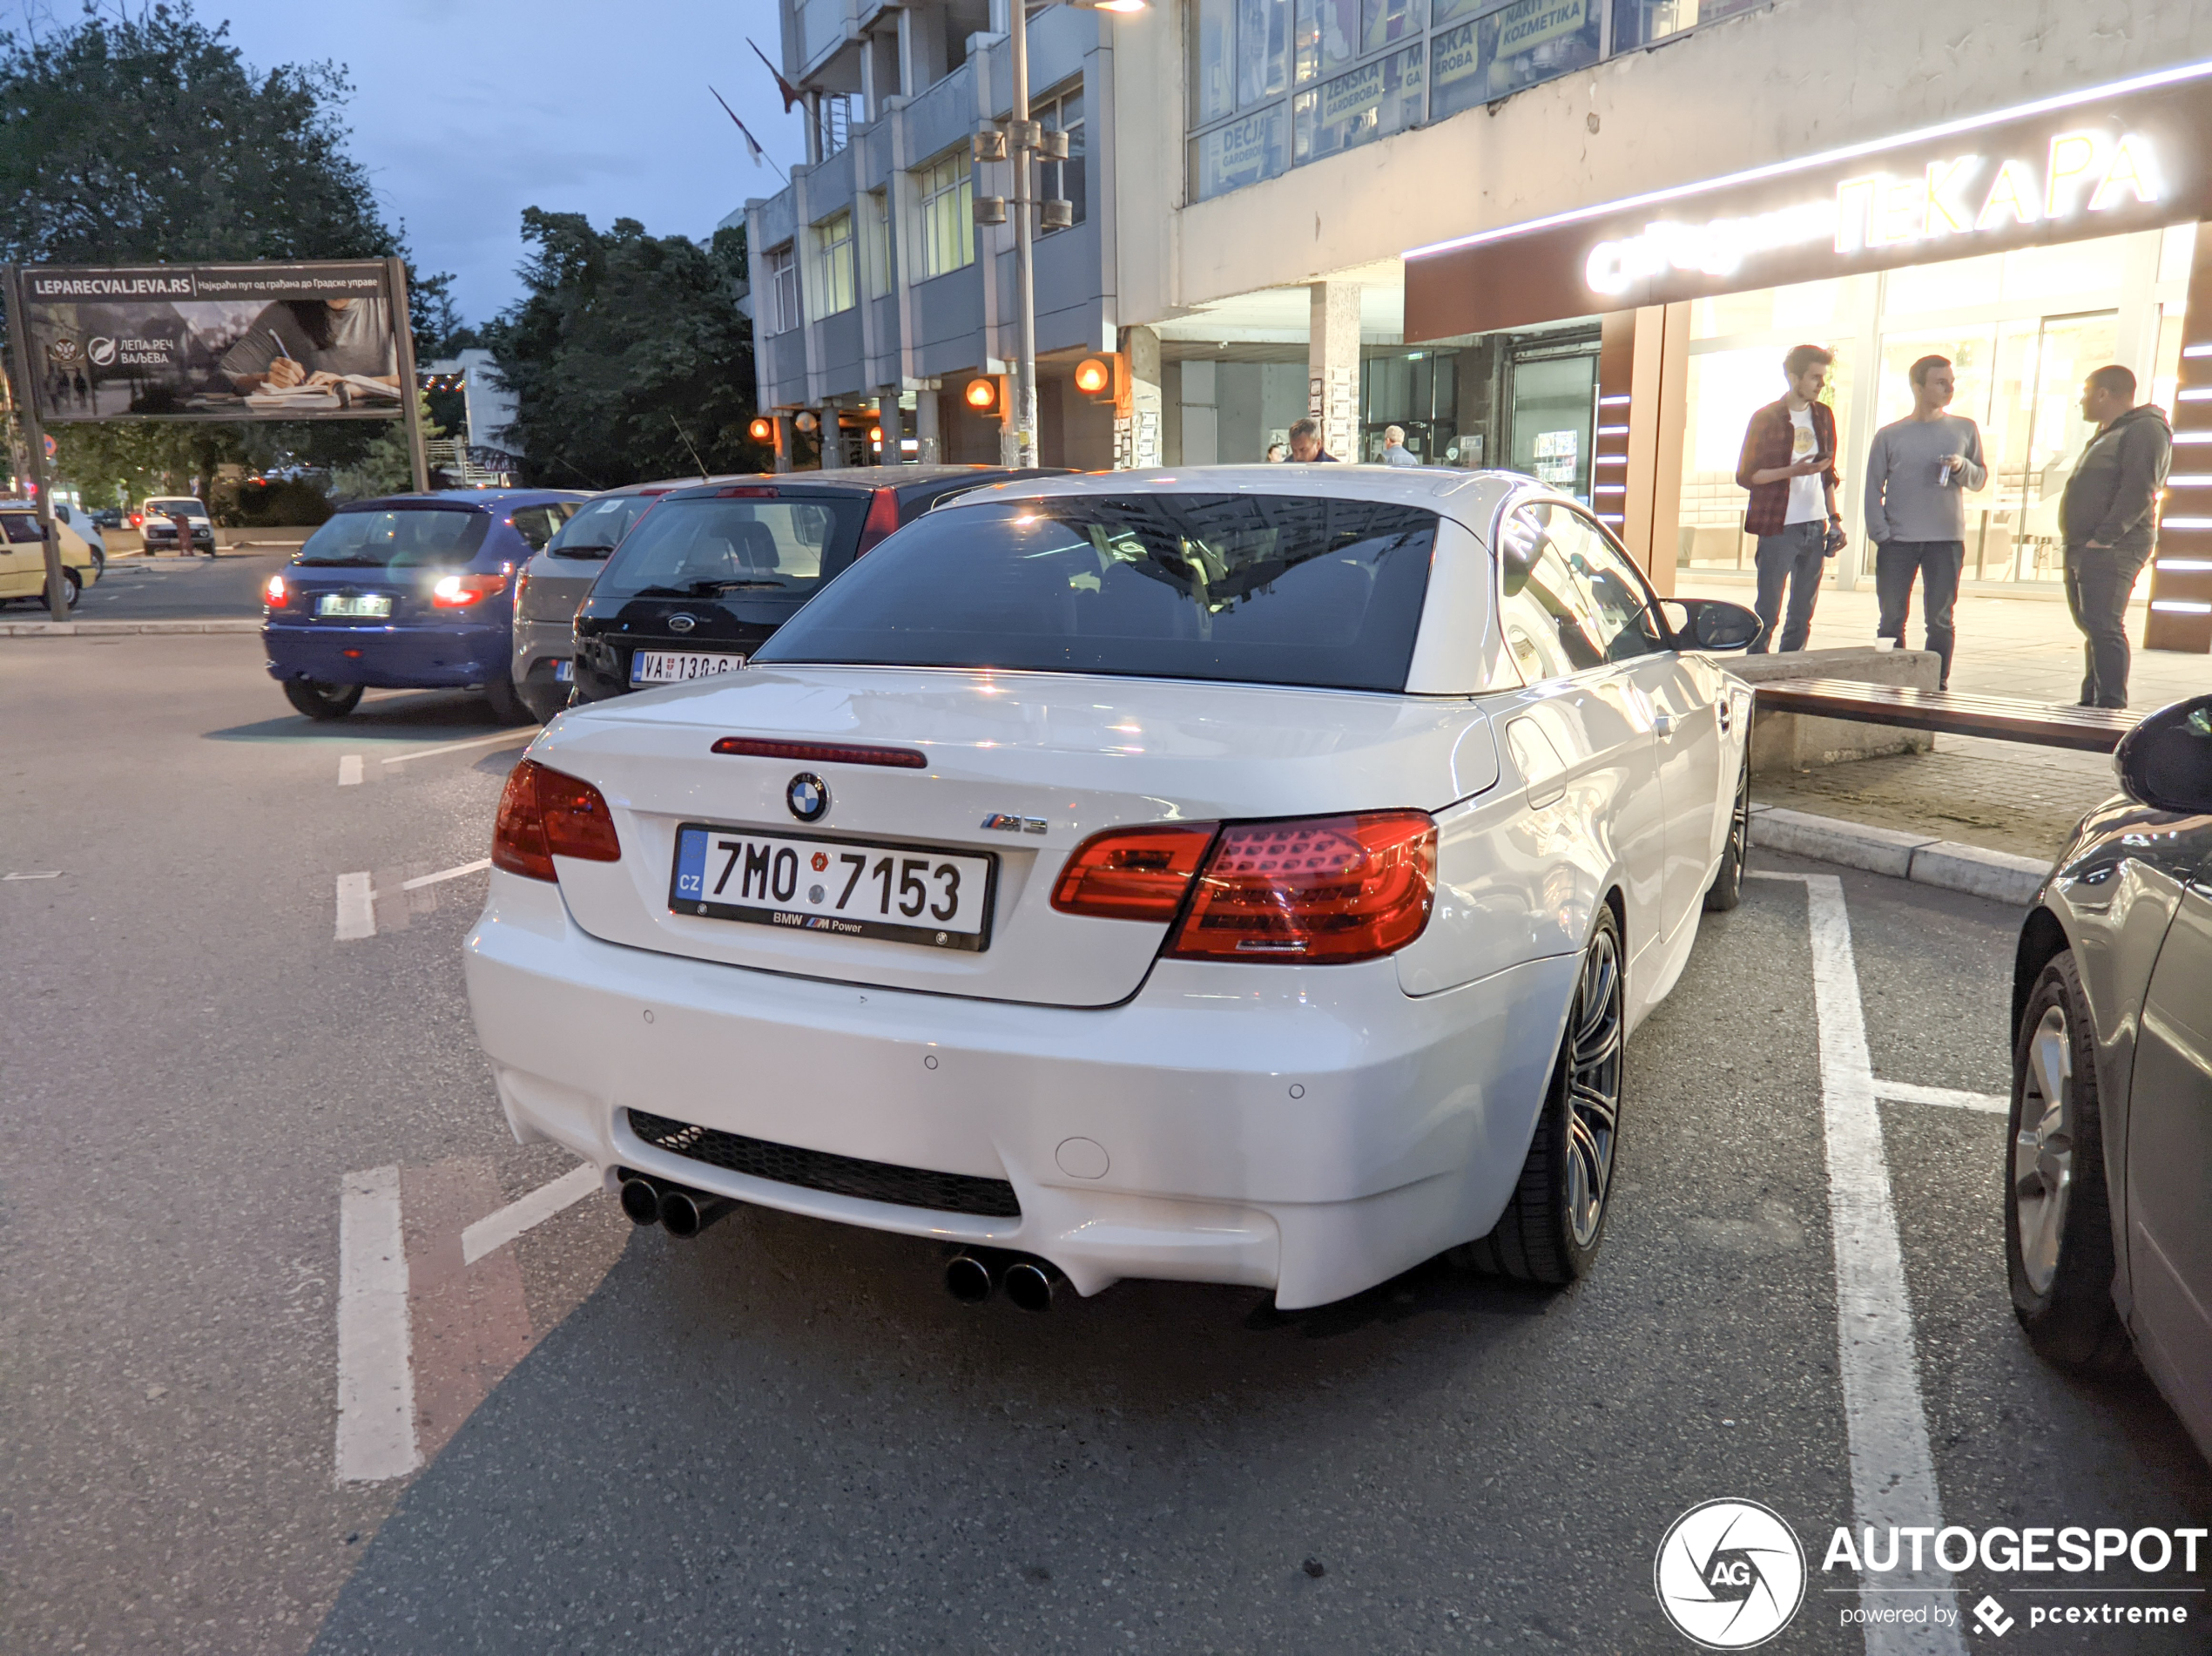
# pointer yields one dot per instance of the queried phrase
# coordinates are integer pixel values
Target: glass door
(1553, 423)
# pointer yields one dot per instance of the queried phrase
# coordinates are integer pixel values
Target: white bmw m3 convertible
(1244, 875)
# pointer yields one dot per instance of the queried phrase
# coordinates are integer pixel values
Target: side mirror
(2166, 761)
(1711, 623)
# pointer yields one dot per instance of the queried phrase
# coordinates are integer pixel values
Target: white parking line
(349, 770)
(1909, 1092)
(494, 1231)
(375, 1354)
(357, 908)
(421, 880)
(505, 738)
(51, 874)
(1892, 1469)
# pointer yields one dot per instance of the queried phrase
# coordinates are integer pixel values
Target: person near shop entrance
(2108, 520)
(1917, 474)
(1395, 453)
(1789, 464)
(1305, 444)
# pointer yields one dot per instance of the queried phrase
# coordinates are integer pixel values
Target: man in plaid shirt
(1789, 464)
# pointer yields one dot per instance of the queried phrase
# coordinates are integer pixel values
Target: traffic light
(985, 395)
(763, 429)
(1095, 376)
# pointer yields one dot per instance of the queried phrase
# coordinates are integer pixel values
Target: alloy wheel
(1739, 822)
(2043, 1153)
(1593, 1086)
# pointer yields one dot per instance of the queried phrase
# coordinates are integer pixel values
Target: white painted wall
(1800, 77)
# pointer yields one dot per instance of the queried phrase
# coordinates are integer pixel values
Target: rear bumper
(391, 657)
(1311, 1129)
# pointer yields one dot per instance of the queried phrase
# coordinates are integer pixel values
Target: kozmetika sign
(2129, 157)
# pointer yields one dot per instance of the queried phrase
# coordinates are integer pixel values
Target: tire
(544, 699)
(72, 587)
(319, 700)
(1726, 890)
(1554, 1222)
(2057, 1210)
(507, 703)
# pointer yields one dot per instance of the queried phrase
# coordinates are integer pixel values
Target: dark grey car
(2109, 1186)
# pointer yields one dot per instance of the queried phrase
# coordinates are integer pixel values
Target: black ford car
(710, 572)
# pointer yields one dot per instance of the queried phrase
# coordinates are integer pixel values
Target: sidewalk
(2002, 796)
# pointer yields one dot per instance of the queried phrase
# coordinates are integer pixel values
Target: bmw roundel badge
(808, 797)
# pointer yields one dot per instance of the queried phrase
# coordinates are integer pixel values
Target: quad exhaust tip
(971, 1278)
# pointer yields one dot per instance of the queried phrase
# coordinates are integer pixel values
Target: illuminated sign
(1957, 196)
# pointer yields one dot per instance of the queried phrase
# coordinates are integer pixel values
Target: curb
(111, 629)
(1920, 857)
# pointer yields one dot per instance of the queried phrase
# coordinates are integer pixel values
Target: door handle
(1663, 724)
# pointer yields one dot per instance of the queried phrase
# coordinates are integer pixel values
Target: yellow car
(23, 557)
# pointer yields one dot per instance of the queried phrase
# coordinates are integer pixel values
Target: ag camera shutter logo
(1730, 1574)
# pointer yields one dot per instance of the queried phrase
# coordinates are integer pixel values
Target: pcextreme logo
(1730, 1574)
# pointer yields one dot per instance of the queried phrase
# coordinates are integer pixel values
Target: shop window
(1812, 309)
(1641, 23)
(1328, 37)
(1520, 44)
(1063, 180)
(833, 265)
(1262, 50)
(1724, 389)
(946, 190)
(1385, 23)
(1246, 151)
(1213, 60)
(1373, 100)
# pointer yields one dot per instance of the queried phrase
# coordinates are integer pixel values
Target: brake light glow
(276, 594)
(1333, 889)
(459, 591)
(544, 814)
(823, 753)
(882, 518)
(1134, 874)
(745, 491)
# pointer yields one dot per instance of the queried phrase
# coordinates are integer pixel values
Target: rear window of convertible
(1254, 589)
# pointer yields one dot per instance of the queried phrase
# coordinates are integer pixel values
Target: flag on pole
(793, 97)
(752, 143)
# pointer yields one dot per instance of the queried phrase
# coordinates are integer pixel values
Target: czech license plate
(372, 605)
(845, 888)
(674, 666)
(564, 671)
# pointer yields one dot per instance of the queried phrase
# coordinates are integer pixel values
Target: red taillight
(276, 594)
(882, 518)
(1328, 889)
(137, 520)
(459, 591)
(1133, 873)
(544, 814)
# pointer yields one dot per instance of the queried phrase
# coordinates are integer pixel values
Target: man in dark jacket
(2108, 519)
(1789, 464)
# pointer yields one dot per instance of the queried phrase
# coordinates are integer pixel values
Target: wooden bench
(2095, 730)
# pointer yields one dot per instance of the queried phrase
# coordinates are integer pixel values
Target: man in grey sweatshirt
(1917, 477)
(2108, 517)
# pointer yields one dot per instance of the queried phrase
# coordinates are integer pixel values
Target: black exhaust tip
(967, 1280)
(1030, 1286)
(641, 1201)
(687, 1212)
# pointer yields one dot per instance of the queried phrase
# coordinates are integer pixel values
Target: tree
(146, 138)
(627, 355)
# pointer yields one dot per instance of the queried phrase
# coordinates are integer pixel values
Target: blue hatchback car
(409, 593)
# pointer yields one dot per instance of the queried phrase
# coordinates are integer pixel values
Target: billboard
(308, 342)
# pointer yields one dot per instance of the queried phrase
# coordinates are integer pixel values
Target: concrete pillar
(1333, 366)
(929, 444)
(1137, 418)
(1200, 418)
(887, 414)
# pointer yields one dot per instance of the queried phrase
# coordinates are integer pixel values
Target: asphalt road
(785, 1436)
(199, 588)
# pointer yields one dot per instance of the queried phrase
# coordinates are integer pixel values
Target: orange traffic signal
(763, 429)
(982, 394)
(1093, 376)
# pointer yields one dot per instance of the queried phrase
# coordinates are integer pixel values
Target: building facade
(1575, 238)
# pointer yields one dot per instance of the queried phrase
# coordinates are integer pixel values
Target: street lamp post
(1023, 142)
